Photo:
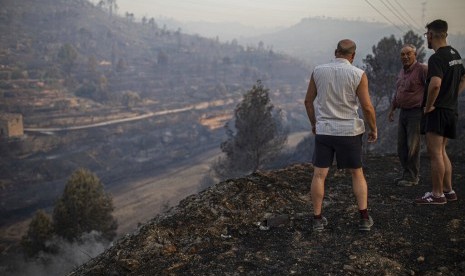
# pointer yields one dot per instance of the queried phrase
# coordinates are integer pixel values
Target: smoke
(70, 256)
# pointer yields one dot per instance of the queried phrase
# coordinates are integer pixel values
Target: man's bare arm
(433, 92)
(462, 84)
(309, 98)
(367, 108)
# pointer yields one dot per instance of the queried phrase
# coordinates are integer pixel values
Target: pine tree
(257, 138)
(67, 57)
(39, 232)
(83, 207)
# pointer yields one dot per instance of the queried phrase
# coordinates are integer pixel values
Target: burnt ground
(216, 232)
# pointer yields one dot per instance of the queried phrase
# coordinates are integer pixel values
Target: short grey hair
(410, 46)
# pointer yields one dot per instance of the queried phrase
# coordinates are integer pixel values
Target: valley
(138, 197)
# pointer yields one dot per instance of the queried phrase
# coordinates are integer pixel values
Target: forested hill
(101, 54)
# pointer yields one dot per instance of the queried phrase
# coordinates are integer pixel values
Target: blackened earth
(217, 232)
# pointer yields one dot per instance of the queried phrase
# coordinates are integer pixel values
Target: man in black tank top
(445, 80)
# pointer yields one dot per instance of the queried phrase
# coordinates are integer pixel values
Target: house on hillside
(11, 125)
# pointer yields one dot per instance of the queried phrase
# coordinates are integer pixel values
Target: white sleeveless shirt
(336, 103)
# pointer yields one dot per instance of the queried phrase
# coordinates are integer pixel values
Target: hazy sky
(274, 13)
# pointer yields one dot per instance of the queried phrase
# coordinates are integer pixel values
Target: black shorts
(348, 151)
(441, 121)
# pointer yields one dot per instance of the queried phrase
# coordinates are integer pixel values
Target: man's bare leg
(439, 160)
(317, 188)
(360, 188)
(447, 181)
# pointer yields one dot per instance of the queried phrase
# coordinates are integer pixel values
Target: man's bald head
(346, 47)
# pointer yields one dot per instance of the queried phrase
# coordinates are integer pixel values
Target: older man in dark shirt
(408, 97)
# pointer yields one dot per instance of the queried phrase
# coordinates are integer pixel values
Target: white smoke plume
(70, 256)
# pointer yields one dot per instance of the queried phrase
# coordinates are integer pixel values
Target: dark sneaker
(365, 224)
(451, 196)
(319, 224)
(407, 183)
(429, 198)
(397, 179)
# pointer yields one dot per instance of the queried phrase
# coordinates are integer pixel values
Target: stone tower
(11, 125)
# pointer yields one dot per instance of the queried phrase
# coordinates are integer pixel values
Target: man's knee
(356, 172)
(320, 173)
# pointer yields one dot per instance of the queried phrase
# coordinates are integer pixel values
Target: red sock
(317, 216)
(364, 214)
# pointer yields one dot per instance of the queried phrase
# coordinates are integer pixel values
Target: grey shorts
(348, 151)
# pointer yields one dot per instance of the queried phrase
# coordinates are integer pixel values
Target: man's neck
(439, 44)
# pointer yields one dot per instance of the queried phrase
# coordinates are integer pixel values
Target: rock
(348, 268)
(277, 221)
(454, 224)
(169, 249)
(129, 264)
(444, 270)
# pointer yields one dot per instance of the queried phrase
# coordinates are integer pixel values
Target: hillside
(69, 63)
(217, 231)
(165, 66)
(72, 59)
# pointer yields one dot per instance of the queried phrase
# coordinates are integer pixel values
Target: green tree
(67, 57)
(83, 207)
(92, 65)
(258, 138)
(121, 66)
(382, 68)
(87, 90)
(95, 89)
(130, 99)
(39, 232)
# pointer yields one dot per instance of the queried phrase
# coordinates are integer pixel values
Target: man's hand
(372, 136)
(428, 110)
(391, 116)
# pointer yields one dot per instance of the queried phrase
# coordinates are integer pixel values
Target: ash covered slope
(215, 232)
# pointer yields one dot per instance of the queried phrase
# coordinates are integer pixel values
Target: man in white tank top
(335, 92)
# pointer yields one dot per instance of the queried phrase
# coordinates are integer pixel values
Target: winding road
(199, 106)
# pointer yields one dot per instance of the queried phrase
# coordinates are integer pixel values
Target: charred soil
(217, 232)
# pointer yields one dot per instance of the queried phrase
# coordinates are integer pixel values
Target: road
(198, 106)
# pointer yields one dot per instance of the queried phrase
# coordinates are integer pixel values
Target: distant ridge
(314, 39)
